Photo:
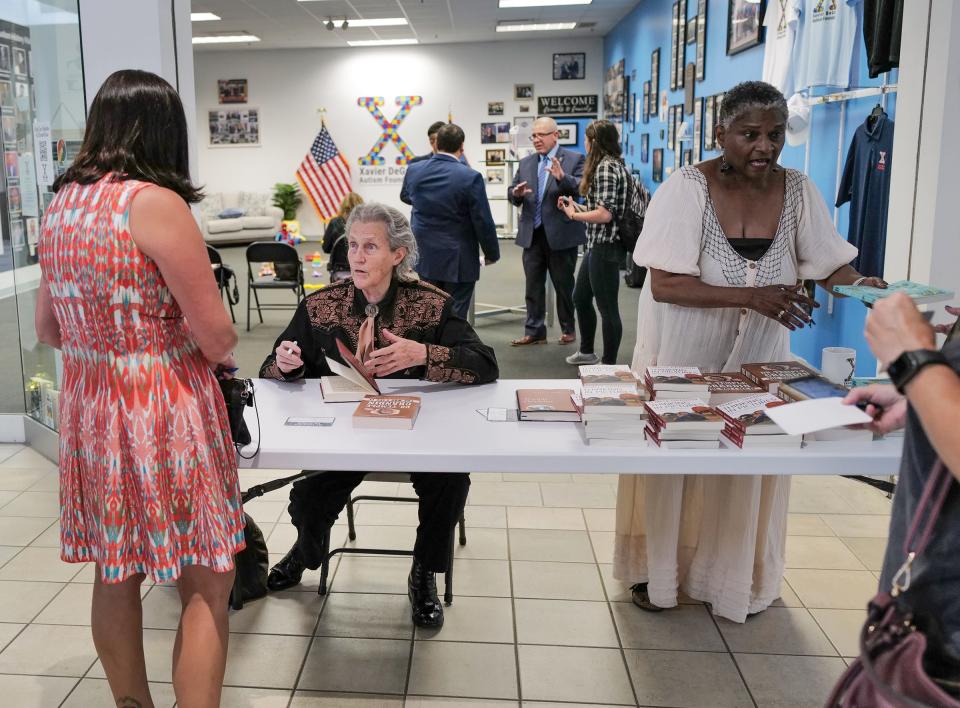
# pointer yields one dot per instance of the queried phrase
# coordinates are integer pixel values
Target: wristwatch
(908, 365)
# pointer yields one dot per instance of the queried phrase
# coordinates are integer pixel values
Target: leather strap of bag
(253, 401)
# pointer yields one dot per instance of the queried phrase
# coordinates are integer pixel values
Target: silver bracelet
(859, 280)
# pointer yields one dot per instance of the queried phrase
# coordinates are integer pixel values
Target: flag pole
(323, 117)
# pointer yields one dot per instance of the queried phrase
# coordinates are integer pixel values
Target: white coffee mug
(838, 364)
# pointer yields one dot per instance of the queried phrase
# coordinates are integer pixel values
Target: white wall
(288, 86)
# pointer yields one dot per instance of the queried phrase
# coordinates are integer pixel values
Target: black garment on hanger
(866, 185)
(882, 24)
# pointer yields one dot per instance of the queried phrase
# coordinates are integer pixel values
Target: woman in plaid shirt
(604, 185)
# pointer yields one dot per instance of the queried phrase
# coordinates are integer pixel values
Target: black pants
(539, 259)
(316, 502)
(599, 279)
(461, 293)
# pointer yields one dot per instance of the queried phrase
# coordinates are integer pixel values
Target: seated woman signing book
(399, 328)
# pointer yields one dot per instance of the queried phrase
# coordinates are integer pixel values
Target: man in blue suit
(451, 219)
(548, 238)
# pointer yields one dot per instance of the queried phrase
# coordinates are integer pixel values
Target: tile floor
(538, 619)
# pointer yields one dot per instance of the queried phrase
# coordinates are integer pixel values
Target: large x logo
(388, 128)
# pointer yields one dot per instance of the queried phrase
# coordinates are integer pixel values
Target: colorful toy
(266, 270)
(285, 235)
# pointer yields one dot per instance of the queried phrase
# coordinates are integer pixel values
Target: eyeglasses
(543, 135)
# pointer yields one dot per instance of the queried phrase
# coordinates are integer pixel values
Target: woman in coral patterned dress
(148, 476)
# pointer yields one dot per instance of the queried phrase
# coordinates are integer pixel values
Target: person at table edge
(400, 328)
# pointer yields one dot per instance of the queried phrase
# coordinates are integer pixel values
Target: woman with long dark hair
(335, 239)
(604, 185)
(148, 475)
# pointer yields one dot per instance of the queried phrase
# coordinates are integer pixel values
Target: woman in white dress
(726, 243)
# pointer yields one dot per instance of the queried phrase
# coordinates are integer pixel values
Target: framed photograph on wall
(625, 113)
(646, 101)
(524, 126)
(690, 73)
(697, 130)
(495, 175)
(692, 30)
(234, 127)
(496, 156)
(701, 39)
(673, 46)
(681, 42)
(743, 25)
(569, 66)
(232, 90)
(708, 126)
(522, 92)
(495, 108)
(523, 107)
(687, 158)
(494, 133)
(645, 147)
(654, 80)
(568, 133)
(671, 127)
(657, 168)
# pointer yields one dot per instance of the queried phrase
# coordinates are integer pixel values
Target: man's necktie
(541, 189)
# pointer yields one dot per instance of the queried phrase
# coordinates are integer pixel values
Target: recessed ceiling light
(381, 42)
(203, 17)
(535, 26)
(382, 22)
(541, 3)
(224, 38)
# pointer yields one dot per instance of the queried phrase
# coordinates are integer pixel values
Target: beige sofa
(260, 222)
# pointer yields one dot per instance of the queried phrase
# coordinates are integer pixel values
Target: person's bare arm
(48, 329)
(847, 275)
(599, 215)
(770, 301)
(163, 228)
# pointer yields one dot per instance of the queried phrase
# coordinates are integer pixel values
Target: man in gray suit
(548, 238)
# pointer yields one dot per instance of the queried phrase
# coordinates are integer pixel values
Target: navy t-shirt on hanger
(866, 185)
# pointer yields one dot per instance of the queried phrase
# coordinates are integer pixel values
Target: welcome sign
(585, 105)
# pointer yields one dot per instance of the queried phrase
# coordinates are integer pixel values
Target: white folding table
(450, 436)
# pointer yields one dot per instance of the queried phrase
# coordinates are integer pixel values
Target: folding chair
(280, 254)
(223, 273)
(352, 533)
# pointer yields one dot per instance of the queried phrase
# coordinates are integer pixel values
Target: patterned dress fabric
(148, 475)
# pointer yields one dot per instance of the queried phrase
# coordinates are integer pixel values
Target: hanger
(874, 115)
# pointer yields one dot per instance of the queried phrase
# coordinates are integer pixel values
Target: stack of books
(771, 375)
(675, 383)
(748, 426)
(613, 410)
(683, 424)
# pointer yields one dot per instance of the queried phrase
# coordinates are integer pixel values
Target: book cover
(920, 293)
(613, 395)
(811, 387)
(664, 378)
(684, 414)
(731, 382)
(653, 437)
(750, 412)
(547, 404)
(354, 370)
(389, 412)
(607, 373)
(770, 375)
(339, 389)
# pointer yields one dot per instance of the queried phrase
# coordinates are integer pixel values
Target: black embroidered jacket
(412, 310)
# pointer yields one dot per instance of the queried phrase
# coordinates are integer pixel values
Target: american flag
(324, 175)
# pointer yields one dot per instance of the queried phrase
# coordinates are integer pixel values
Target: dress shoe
(581, 358)
(287, 572)
(422, 590)
(527, 339)
(567, 339)
(641, 598)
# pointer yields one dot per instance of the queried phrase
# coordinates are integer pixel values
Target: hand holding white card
(816, 414)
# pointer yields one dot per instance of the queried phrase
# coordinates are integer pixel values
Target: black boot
(287, 572)
(422, 590)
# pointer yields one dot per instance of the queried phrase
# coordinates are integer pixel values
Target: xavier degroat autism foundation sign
(381, 174)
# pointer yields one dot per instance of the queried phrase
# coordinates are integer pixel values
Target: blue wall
(648, 27)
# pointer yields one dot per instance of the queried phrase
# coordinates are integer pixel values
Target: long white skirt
(719, 539)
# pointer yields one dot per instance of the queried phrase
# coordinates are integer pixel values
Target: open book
(352, 382)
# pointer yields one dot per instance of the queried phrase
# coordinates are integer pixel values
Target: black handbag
(237, 395)
(252, 565)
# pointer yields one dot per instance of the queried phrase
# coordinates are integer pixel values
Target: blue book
(921, 294)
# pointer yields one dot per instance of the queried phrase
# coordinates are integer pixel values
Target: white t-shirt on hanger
(780, 21)
(826, 37)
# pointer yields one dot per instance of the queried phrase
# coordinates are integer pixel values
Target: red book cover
(387, 412)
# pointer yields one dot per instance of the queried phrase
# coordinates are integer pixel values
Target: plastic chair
(280, 254)
(222, 274)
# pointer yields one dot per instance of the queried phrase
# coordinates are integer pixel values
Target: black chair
(352, 533)
(223, 275)
(288, 269)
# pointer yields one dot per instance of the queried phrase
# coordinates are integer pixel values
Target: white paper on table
(816, 414)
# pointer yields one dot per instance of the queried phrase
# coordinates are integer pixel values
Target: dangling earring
(724, 165)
